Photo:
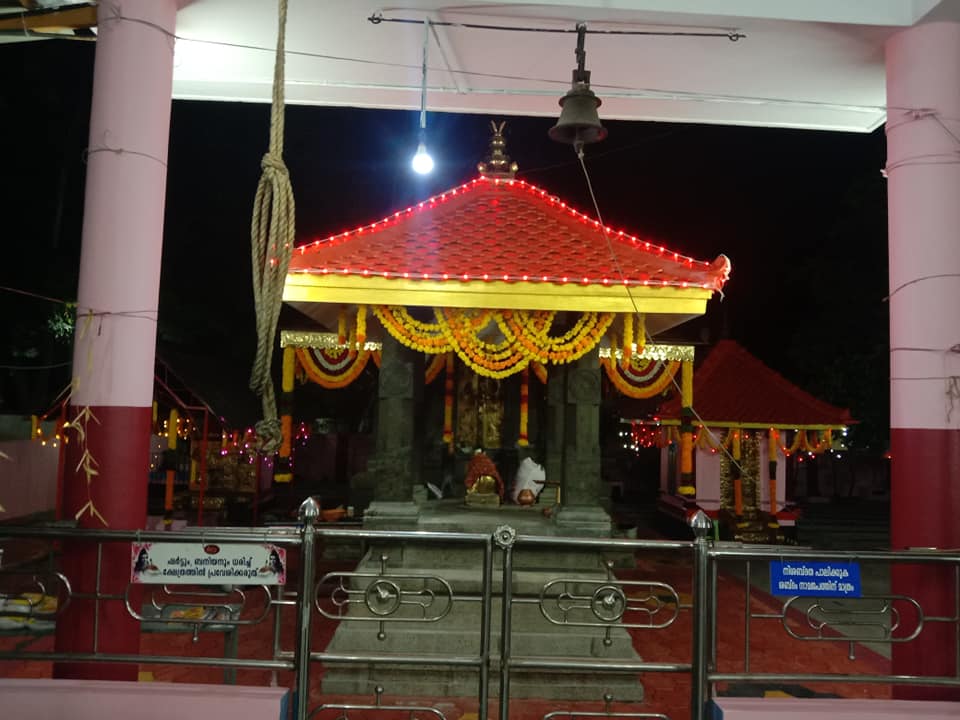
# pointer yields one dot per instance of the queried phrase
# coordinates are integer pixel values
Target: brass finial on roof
(497, 163)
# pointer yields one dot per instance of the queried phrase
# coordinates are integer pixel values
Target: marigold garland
(416, 335)
(707, 439)
(361, 326)
(525, 336)
(523, 440)
(436, 364)
(487, 359)
(669, 435)
(448, 401)
(335, 369)
(529, 330)
(735, 471)
(640, 336)
(643, 379)
(342, 326)
(540, 372)
(802, 442)
(627, 340)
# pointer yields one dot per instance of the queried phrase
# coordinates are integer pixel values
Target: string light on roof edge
(488, 176)
(422, 162)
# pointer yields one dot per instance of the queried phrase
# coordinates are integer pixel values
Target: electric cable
(578, 149)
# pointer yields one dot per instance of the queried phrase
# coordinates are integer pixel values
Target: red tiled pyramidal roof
(505, 230)
(732, 386)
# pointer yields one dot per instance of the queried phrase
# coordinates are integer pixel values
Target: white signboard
(209, 564)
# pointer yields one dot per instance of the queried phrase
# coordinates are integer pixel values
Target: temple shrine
(752, 422)
(520, 302)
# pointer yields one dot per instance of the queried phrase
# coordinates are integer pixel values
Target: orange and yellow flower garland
(448, 401)
(735, 472)
(436, 364)
(525, 336)
(523, 440)
(643, 378)
(802, 442)
(540, 371)
(494, 360)
(408, 331)
(529, 330)
(332, 369)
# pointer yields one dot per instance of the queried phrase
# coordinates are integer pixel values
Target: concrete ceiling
(803, 63)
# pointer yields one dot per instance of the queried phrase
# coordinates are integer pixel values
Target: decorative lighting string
(578, 149)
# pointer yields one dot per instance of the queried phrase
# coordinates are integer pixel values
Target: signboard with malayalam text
(815, 579)
(208, 564)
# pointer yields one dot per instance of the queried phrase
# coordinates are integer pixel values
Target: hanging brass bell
(579, 122)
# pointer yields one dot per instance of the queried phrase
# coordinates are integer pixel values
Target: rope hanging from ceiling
(272, 237)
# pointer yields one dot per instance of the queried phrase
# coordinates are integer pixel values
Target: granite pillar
(581, 485)
(394, 467)
(554, 424)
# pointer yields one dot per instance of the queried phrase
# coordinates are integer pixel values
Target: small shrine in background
(751, 423)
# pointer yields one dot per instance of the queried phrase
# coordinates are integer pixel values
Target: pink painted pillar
(923, 139)
(118, 293)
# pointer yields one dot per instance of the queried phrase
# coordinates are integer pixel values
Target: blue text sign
(815, 579)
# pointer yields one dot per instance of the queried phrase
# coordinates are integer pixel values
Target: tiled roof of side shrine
(732, 386)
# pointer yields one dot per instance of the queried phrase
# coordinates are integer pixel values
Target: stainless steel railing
(874, 618)
(384, 596)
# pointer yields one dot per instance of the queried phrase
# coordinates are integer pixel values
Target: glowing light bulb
(422, 163)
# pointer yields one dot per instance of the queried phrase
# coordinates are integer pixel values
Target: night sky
(801, 215)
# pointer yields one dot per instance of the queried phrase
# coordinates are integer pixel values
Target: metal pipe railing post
(701, 526)
(309, 512)
(505, 536)
(485, 623)
(713, 594)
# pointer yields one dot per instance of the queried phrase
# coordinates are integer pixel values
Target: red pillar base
(925, 508)
(120, 444)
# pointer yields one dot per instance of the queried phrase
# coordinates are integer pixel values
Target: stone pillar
(115, 340)
(923, 96)
(554, 424)
(394, 466)
(582, 490)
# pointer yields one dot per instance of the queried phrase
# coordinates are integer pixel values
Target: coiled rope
(271, 236)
